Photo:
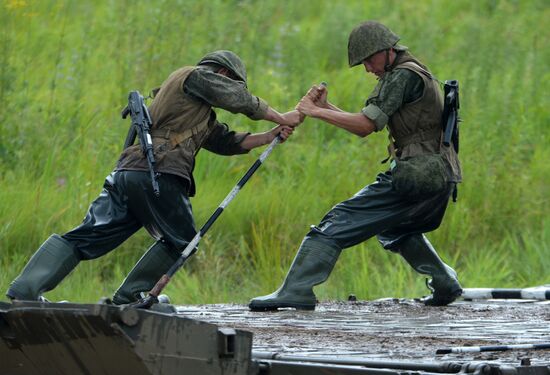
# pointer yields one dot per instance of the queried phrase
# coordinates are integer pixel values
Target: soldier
(407, 99)
(183, 123)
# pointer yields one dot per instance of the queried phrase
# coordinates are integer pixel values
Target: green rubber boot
(145, 274)
(53, 260)
(421, 255)
(311, 266)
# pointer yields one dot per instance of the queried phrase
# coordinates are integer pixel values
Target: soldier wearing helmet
(407, 101)
(184, 121)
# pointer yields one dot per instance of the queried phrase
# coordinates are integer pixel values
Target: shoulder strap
(417, 68)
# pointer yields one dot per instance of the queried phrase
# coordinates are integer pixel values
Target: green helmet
(367, 39)
(228, 60)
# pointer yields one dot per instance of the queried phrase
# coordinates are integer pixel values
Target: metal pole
(540, 293)
(435, 367)
(492, 348)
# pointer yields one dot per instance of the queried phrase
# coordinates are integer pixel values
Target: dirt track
(392, 329)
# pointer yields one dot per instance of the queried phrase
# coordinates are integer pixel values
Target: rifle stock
(140, 127)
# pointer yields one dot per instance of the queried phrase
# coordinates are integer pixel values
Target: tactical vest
(416, 127)
(180, 127)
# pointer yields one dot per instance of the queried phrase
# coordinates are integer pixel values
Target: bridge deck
(392, 329)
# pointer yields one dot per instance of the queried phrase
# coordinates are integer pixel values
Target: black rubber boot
(421, 255)
(145, 274)
(311, 266)
(53, 260)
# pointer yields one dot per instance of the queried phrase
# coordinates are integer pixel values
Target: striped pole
(540, 293)
(495, 348)
(190, 249)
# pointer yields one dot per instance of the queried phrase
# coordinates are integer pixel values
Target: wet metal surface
(392, 329)
(93, 339)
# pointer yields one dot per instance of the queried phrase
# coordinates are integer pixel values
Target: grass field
(66, 68)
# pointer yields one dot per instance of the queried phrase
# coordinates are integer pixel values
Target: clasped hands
(315, 98)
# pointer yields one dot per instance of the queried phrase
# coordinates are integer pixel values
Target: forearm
(355, 123)
(272, 115)
(291, 118)
(333, 107)
(257, 140)
(279, 118)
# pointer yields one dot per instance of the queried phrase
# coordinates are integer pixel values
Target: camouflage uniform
(408, 101)
(183, 123)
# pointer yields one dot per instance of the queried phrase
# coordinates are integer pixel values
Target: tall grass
(66, 68)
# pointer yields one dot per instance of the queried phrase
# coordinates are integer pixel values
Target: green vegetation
(66, 68)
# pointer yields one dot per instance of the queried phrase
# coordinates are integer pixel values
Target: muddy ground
(392, 329)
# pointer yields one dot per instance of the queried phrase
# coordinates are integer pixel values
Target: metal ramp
(58, 338)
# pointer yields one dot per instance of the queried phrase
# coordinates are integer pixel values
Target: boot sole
(450, 298)
(275, 306)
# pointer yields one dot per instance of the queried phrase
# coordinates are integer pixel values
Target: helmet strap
(387, 65)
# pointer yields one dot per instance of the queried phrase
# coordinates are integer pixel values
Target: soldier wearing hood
(408, 101)
(183, 123)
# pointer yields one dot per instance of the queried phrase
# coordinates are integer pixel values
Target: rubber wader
(53, 260)
(311, 266)
(145, 274)
(421, 255)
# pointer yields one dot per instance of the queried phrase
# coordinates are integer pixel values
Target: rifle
(141, 124)
(450, 114)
